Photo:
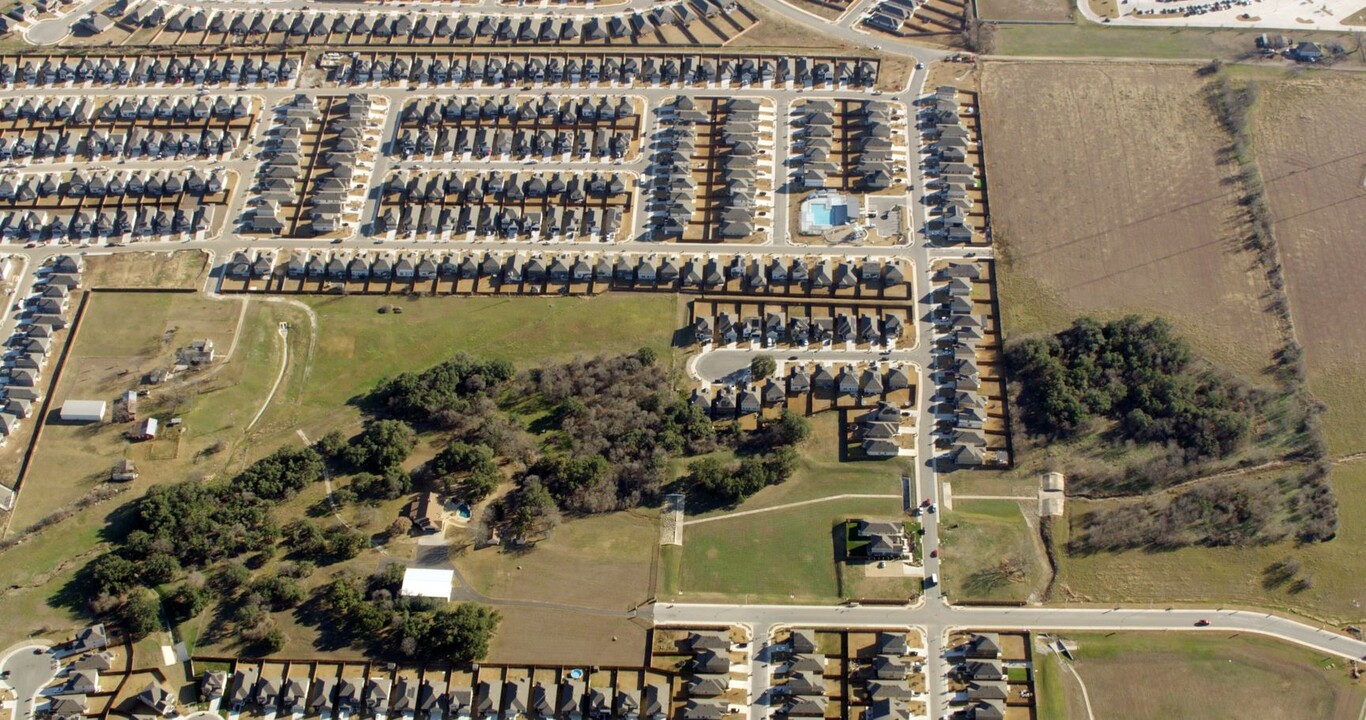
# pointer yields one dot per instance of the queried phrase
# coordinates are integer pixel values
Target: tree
(647, 356)
(112, 574)
(343, 543)
(187, 601)
(762, 366)
(233, 577)
(531, 509)
(159, 568)
(141, 615)
(382, 445)
(304, 537)
(790, 429)
(460, 635)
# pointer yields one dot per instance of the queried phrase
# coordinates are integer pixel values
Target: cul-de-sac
(682, 359)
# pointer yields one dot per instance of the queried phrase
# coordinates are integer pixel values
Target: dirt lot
(1210, 677)
(1024, 10)
(1129, 216)
(1311, 145)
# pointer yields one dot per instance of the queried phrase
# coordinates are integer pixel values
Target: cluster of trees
(370, 612)
(1216, 513)
(375, 456)
(1137, 374)
(468, 470)
(619, 423)
(446, 393)
(186, 527)
(772, 461)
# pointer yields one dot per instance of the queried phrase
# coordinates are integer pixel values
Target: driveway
(29, 673)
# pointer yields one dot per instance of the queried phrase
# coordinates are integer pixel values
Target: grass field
(186, 269)
(1087, 227)
(779, 556)
(1310, 143)
(976, 537)
(1210, 677)
(1024, 10)
(1234, 575)
(600, 561)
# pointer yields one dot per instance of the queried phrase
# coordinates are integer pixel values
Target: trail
(284, 365)
(729, 516)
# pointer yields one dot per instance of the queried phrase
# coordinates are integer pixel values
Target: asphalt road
(29, 672)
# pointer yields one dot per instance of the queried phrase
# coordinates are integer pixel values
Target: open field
(1210, 677)
(781, 556)
(1311, 146)
(1087, 39)
(977, 537)
(601, 561)
(1131, 216)
(1233, 576)
(184, 270)
(549, 637)
(358, 347)
(1025, 10)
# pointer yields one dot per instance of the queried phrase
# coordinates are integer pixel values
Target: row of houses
(983, 673)
(148, 69)
(653, 70)
(799, 330)
(545, 112)
(641, 270)
(877, 431)
(78, 111)
(750, 399)
(708, 678)
(334, 165)
(55, 144)
(890, 15)
(947, 162)
(962, 334)
(482, 142)
(866, 140)
(111, 222)
(59, 187)
(493, 220)
(359, 27)
(45, 313)
(375, 696)
(734, 150)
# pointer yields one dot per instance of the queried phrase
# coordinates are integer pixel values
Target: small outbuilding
(83, 411)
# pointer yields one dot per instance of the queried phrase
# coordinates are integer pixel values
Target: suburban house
(983, 646)
(427, 513)
(156, 697)
(886, 539)
(91, 637)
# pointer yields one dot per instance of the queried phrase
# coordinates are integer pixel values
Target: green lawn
(976, 537)
(779, 556)
(1210, 677)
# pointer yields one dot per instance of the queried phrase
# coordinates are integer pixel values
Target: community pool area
(824, 211)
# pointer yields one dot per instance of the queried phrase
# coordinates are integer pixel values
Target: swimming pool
(822, 215)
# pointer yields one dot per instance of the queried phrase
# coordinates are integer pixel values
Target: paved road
(29, 672)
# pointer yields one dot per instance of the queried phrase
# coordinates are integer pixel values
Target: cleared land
(1118, 204)
(1311, 145)
(989, 551)
(186, 269)
(1025, 10)
(1210, 677)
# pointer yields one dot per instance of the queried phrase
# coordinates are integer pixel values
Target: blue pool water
(463, 511)
(820, 215)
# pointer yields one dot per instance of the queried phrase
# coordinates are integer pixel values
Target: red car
(1201, 622)
(934, 553)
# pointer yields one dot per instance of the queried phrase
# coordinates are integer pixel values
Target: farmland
(1310, 143)
(1132, 216)
(1207, 676)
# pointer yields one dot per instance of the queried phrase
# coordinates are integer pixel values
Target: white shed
(83, 411)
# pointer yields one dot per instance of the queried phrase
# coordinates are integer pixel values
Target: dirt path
(729, 516)
(284, 365)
